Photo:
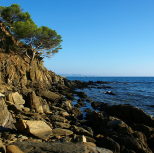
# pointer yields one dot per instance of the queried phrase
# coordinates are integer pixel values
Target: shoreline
(115, 93)
(36, 108)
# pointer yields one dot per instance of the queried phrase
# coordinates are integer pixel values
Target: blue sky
(100, 37)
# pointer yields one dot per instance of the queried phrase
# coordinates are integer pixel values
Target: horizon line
(67, 75)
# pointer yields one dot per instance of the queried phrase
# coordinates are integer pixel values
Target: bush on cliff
(42, 40)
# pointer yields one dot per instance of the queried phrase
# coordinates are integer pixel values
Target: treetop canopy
(42, 40)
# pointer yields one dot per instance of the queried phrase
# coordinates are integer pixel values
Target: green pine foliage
(43, 41)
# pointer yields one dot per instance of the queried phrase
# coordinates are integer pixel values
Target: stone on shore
(61, 132)
(130, 114)
(16, 99)
(50, 95)
(35, 103)
(37, 128)
(30, 147)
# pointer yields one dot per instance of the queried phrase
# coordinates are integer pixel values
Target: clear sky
(100, 37)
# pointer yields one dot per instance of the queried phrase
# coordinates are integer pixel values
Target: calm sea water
(137, 91)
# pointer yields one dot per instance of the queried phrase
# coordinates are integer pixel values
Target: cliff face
(25, 85)
(21, 72)
(17, 67)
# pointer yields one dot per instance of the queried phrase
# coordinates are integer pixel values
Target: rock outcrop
(21, 72)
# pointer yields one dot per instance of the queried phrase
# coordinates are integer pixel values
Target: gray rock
(30, 147)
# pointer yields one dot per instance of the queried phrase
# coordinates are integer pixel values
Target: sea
(136, 91)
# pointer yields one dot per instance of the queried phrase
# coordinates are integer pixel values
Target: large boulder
(50, 95)
(130, 114)
(37, 128)
(119, 126)
(136, 144)
(16, 99)
(115, 134)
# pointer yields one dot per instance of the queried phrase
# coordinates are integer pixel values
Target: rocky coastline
(37, 114)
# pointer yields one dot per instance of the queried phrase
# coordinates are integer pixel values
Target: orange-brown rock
(13, 149)
(37, 128)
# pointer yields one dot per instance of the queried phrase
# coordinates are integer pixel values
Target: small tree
(42, 40)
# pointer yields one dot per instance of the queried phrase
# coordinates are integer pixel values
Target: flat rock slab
(31, 147)
(37, 128)
(61, 132)
(50, 95)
